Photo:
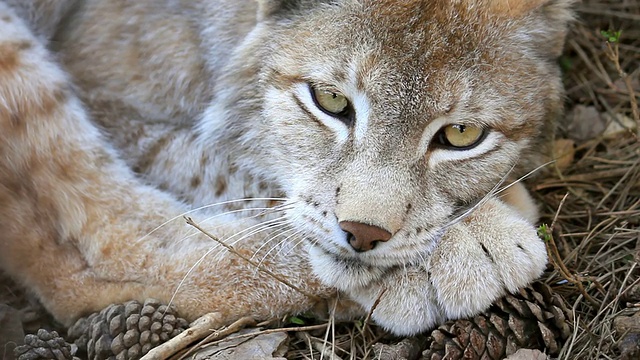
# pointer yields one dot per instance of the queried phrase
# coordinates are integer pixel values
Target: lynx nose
(363, 237)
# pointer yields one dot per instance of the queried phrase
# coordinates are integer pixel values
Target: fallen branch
(199, 329)
(235, 327)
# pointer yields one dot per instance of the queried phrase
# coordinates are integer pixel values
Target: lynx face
(394, 117)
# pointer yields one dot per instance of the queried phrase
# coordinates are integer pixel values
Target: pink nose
(363, 237)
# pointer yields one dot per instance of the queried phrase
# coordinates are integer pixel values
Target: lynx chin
(360, 149)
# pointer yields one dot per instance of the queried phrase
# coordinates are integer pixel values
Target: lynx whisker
(268, 241)
(205, 207)
(253, 263)
(482, 201)
(278, 245)
(213, 229)
(201, 259)
(255, 229)
(265, 211)
(525, 176)
(495, 191)
(188, 273)
(297, 243)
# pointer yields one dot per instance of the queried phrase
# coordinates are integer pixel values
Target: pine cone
(535, 318)
(44, 345)
(126, 331)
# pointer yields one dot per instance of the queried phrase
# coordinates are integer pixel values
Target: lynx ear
(549, 21)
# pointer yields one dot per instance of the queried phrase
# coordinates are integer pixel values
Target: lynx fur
(118, 118)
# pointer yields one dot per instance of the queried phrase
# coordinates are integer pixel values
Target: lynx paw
(477, 261)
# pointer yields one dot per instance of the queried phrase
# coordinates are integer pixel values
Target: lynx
(367, 151)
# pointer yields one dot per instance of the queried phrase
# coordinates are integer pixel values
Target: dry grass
(598, 226)
(598, 235)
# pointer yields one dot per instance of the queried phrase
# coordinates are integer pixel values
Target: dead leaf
(272, 346)
(564, 151)
(625, 324)
(409, 348)
(528, 354)
(619, 125)
(585, 122)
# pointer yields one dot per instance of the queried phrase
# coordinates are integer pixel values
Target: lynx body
(384, 129)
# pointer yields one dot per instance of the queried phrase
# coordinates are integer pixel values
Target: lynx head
(384, 120)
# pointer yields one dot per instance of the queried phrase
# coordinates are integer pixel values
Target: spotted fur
(119, 117)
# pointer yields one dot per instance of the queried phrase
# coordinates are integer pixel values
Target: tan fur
(118, 117)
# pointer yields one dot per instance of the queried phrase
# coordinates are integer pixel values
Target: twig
(257, 266)
(555, 217)
(554, 255)
(373, 307)
(269, 331)
(319, 345)
(198, 330)
(613, 53)
(235, 327)
(331, 329)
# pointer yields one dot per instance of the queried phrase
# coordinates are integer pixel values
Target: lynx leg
(62, 190)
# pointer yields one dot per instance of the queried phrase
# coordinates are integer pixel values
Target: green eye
(460, 136)
(331, 102)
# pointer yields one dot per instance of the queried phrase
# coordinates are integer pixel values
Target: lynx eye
(331, 102)
(460, 137)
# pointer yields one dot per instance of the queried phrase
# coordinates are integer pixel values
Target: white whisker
(273, 226)
(208, 252)
(255, 229)
(204, 207)
(196, 232)
(494, 191)
(480, 202)
(278, 245)
(270, 240)
(302, 239)
(538, 168)
(265, 211)
(186, 276)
